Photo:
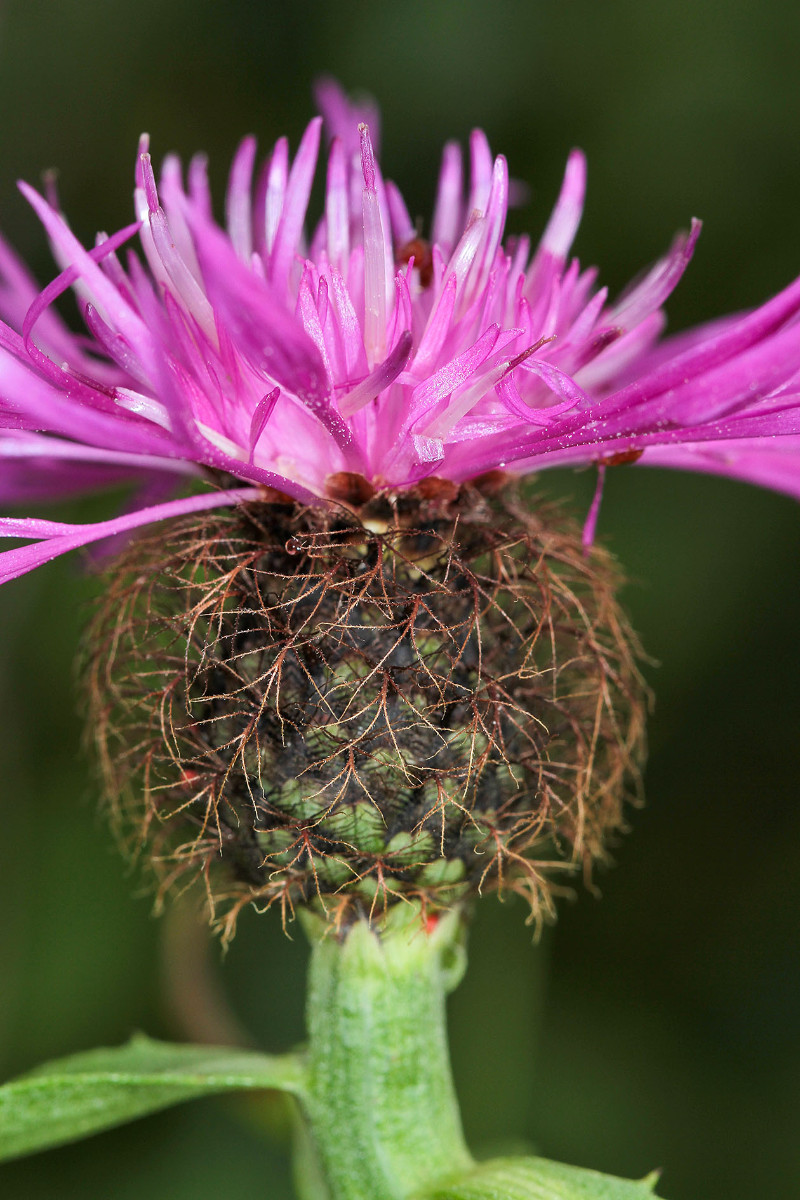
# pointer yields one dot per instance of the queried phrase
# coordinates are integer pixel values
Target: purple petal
(403, 229)
(774, 465)
(452, 375)
(590, 524)
(58, 538)
(381, 378)
(22, 390)
(67, 278)
(261, 415)
(750, 375)
(199, 191)
(18, 290)
(174, 200)
(496, 212)
(43, 480)
(34, 445)
(657, 284)
(273, 341)
(342, 117)
(558, 382)
(113, 307)
(726, 339)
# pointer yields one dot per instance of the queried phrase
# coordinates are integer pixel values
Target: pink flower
(264, 355)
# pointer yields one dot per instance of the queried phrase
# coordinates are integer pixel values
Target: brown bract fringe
(409, 697)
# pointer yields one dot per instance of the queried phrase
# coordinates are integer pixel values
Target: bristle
(423, 699)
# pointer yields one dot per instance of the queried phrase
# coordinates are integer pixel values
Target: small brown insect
(271, 495)
(349, 487)
(491, 483)
(420, 251)
(619, 459)
(436, 488)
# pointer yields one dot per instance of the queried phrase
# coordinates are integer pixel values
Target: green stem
(381, 1109)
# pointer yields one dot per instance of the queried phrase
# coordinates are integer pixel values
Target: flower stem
(381, 1109)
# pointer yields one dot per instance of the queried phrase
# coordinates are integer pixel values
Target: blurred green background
(659, 1026)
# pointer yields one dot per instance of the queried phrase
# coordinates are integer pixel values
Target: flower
(248, 357)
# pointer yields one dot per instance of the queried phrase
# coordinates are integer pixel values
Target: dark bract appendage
(422, 697)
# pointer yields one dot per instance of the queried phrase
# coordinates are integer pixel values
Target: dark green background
(659, 1026)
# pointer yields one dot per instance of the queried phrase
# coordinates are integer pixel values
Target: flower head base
(416, 698)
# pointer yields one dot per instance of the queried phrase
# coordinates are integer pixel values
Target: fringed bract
(418, 695)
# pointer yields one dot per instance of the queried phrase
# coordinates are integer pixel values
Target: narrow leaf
(539, 1179)
(77, 1096)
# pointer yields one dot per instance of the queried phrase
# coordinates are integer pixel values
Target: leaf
(539, 1179)
(77, 1096)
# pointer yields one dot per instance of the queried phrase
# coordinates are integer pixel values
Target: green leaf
(539, 1179)
(77, 1096)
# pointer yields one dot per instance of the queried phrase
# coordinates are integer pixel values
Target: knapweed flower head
(352, 666)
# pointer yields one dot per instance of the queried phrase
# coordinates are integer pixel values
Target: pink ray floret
(269, 354)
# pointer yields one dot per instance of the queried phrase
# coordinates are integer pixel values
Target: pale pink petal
(275, 192)
(173, 198)
(199, 191)
(481, 167)
(496, 211)
(185, 285)
(238, 201)
(447, 215)
(298, 189)
(374, 257)
(437, 329)
(563, 224)
(337, 209)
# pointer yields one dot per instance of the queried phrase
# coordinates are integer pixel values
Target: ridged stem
(382, 1113)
